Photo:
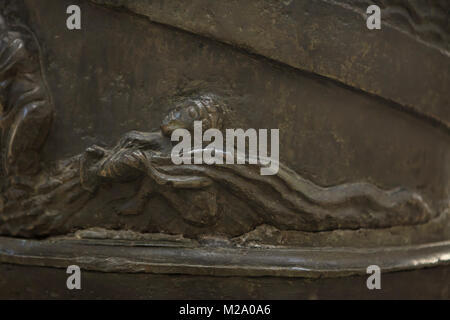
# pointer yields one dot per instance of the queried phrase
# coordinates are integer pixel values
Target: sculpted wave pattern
(26, 109)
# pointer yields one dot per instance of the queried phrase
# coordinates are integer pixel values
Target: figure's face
(182, 117)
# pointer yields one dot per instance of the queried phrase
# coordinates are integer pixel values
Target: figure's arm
(7, 119)
(187, 182)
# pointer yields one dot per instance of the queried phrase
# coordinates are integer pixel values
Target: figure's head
(206, 108)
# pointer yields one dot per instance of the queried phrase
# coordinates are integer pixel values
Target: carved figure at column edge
(285, 200)
(26, 108)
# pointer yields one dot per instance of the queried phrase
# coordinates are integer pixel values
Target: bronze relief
(87, 139)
